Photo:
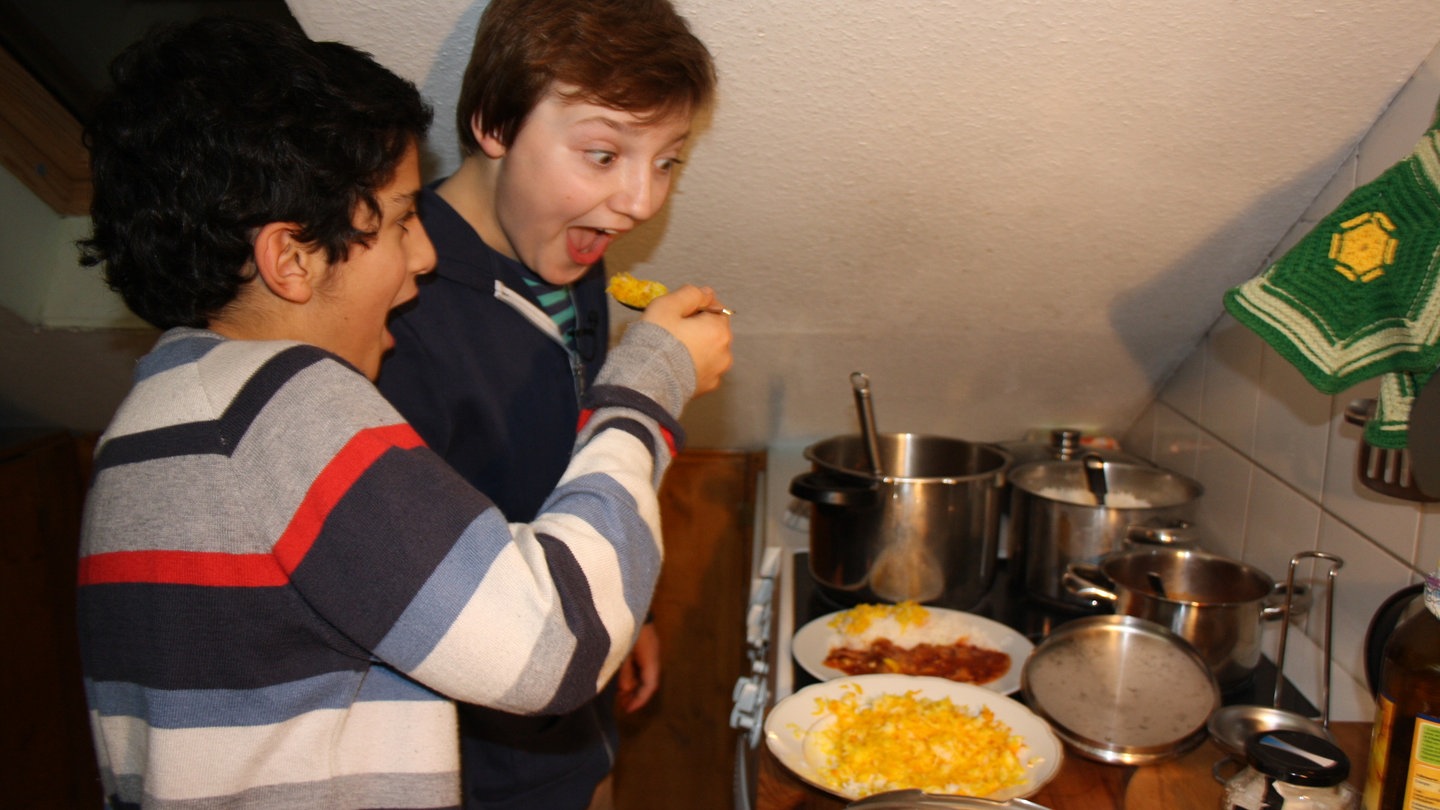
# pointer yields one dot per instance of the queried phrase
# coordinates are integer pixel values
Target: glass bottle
(1404, 767)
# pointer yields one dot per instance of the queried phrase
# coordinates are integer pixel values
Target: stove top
(1008, 604)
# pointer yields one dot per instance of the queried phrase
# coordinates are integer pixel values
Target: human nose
(640, 194)
(422, 252)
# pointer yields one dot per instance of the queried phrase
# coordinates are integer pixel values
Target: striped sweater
(282, 590)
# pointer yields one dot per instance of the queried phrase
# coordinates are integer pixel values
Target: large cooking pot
(926, 529)
(1054, 520)
(1215, 603)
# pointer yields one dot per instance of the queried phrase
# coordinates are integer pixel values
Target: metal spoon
(866, 411)
(712, 310)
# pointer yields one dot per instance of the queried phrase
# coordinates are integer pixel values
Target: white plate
(812, 644)
(788, 724)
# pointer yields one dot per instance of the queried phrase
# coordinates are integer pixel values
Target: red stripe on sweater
(333, 482)
(664, 431)
(218, 569)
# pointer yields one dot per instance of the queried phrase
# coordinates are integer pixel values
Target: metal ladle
(866, 411)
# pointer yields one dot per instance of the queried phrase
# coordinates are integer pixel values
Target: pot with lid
(1056, 518)
(925, 529)
(1215, 603)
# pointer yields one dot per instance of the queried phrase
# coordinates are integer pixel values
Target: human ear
(286, 265)
(490, 143)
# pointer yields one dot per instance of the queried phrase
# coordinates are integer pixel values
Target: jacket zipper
(541, 320)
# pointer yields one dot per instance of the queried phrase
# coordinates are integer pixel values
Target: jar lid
(1297, 757)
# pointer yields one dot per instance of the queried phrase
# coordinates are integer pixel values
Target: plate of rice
(908, 625)
(866, 734)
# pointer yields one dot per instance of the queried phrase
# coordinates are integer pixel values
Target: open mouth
(587, 245)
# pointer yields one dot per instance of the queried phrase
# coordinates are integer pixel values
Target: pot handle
(1274, 604)
(829, 490)
(1079, 579)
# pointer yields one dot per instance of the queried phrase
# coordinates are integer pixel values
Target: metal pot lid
(1121, 689)
(920, 800)
(1137, 487)
(1231, 726)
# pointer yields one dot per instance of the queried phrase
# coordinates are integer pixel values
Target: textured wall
(1010, 213)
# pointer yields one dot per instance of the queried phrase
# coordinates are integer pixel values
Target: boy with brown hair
(572, 115)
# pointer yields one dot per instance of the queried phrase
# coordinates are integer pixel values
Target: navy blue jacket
(487, 388)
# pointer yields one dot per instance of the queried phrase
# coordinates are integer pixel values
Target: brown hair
(632, 55)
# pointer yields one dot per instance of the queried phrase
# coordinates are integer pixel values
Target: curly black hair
(217, 127)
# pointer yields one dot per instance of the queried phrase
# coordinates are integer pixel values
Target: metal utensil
(866, 411)
(712, 310)
(1095, 477)
(1157, 583)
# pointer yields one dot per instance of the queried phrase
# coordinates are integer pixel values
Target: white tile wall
(1277, 458)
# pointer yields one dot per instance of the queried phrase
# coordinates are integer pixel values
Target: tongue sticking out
(587, 245)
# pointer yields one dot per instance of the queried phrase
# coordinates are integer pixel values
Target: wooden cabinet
(679, 750)
(46, 757)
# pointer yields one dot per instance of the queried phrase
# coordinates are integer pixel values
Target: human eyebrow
(627, 127)
(404, 204)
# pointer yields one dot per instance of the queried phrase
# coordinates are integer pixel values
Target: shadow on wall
(1213, 267)
(65, 378)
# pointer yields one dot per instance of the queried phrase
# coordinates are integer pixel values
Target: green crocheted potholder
(1356, 298)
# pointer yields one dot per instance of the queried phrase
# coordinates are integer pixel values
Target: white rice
(1118, 499)
(938, 628)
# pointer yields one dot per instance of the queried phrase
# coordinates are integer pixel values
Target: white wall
(41, 280)
(1007, 213)
(1276, 457)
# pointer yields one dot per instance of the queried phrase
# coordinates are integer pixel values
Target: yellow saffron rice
(897, 741)
(634, 292)
(858, 619)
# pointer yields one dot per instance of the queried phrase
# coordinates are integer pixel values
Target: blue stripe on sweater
(209, 708)
(428, 617)
(172, 354)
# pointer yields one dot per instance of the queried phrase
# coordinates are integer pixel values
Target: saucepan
(926, 530)
(1215, 603)
(902, 516)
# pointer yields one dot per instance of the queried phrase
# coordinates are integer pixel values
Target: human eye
(667, 165)
(406, 219)
(601, 157)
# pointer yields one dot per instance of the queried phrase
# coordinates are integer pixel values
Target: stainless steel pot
(927, 529)
(1215, 603)
(1053, 522)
